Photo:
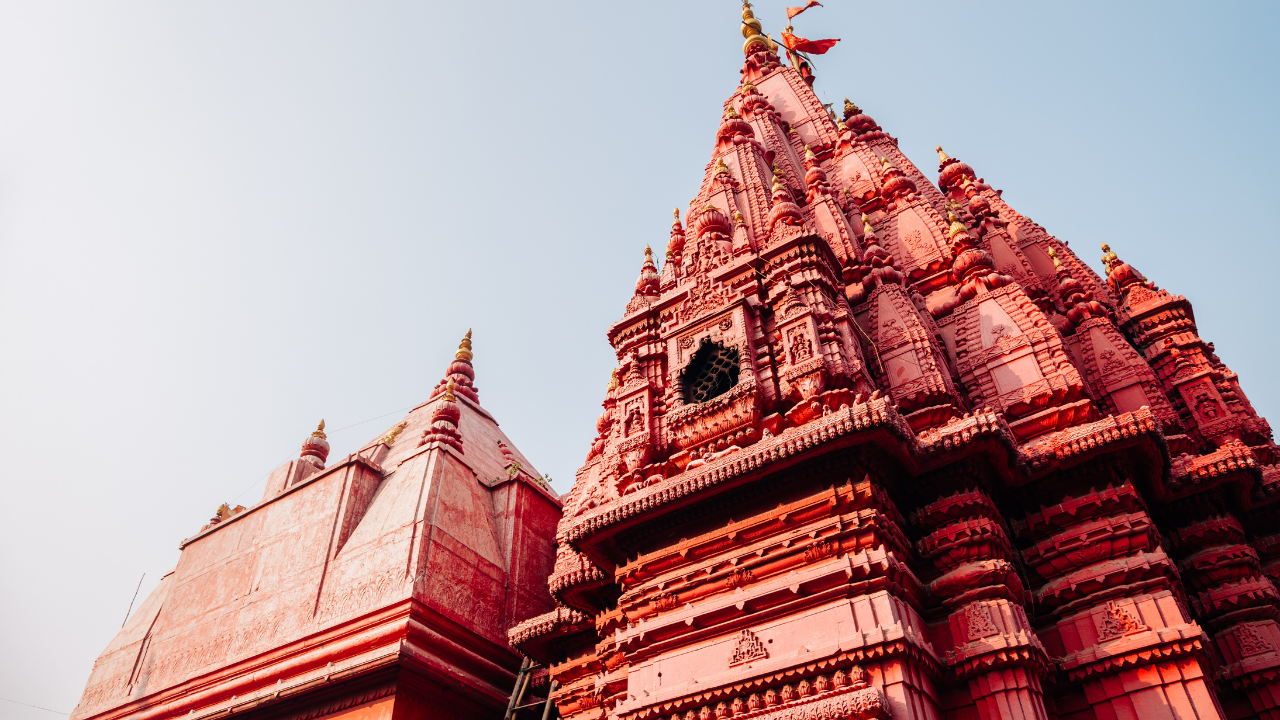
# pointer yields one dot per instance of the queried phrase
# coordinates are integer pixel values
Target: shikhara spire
(836, 342)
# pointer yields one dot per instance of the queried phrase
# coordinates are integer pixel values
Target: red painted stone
(877, 447)
(380, 586)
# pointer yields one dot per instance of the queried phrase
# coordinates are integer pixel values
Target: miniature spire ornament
(647, 283)
(460, 372)
(315, 449)
(444, 421)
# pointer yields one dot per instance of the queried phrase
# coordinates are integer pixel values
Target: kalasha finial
(1053, 255)
(942, 156)
(752, 30)
(448, 393)
(957, 226)
(850, 108)
(613, 379)
(721, 167)
(866, 225)
(319, 431)
(464, 348)
(809, 154)
(677, 214)
(1109, 258)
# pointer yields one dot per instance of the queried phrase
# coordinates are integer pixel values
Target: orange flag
(794, 11)
(799, 44)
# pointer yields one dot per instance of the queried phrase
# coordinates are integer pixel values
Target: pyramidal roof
(427, 543)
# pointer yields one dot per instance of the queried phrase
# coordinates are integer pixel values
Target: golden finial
(966, 181)
(809, 154)
(464, 348)
(777, 171)
(731, 113)
(720, 166)
(942, 157)
(677, 214)
(957, 227)
(747, 86)
(866, 225)
(390, 438)
(448, 392)
(737, 218)
(648, 254)
(1108, 258)
(884, 162)
(850, 108)
(752, 30)
(319, 433)
(777, 183)
(1053, 255)
(613, 380)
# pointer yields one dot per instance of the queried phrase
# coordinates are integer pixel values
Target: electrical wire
(15, 702)
(331, 432)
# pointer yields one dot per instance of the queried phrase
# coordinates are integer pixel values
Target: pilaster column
(1236, 600)
(995, 650)
(1122, 631)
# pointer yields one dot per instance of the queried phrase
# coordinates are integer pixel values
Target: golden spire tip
(464, 348)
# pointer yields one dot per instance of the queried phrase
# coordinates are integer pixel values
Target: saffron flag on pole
(794, 11)
(799, 44)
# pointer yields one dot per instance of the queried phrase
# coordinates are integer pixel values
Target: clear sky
(223, 221)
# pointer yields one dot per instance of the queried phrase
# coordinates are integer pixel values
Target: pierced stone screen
(712, 372)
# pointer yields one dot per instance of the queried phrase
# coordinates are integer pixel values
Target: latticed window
(712, 372)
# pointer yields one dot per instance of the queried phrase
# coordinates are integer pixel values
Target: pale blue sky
(222, 221)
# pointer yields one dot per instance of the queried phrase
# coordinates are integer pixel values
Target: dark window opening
(712, 372)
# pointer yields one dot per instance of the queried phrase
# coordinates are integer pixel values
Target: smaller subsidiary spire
(784, 208)
(1077, 302)
(1120, 274)
(951, 172)
(461, 373)
(315, 449)
(675, 246)
(647, 283)
(877, 264)
(815, 178)
(444, 421)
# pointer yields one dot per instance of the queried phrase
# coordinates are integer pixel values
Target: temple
(879, 446)
(380, 586)
(876, 446)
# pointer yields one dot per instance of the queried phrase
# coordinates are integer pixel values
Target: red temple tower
(381, 586)
(880, 447)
